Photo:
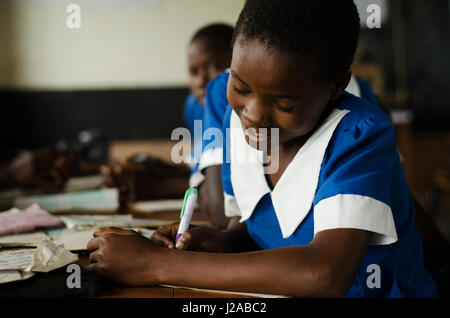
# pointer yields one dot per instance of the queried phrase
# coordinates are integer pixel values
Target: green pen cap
(186, 196)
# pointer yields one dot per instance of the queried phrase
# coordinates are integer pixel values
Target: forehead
(272, 70)
(200, 48)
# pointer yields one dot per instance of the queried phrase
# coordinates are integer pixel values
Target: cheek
(233, 98)
(193, 82)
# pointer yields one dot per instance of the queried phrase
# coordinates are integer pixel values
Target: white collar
(353, 87)
(294, 193)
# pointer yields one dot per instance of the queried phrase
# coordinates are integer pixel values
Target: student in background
(209, 55)
(337, 209)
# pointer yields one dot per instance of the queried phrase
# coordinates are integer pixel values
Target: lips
(258, 135)
(254, 135)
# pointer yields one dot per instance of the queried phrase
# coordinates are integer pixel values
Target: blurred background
(118, 83)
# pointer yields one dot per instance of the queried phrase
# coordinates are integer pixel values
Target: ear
(340, 85)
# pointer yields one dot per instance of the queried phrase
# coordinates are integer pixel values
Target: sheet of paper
(92, 200)
(18, 264)
(158, 206)
(20, 258)
(84, 222)
(27, 220)
(145, 232)
(75, 241)
(49, 256)
(27, 239)
(84, 183)
(7, 276)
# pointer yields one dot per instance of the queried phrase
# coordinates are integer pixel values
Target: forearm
(326, 267)
(292, 271)
(215, 204)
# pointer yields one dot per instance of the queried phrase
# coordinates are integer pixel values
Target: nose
(256, 114)
(202, 79)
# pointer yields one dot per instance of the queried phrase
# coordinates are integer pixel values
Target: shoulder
(227, 117)
(367, 92)
(364, 126)
(362, 115)
(220, 80)
(191, 101)
(218, 86)
(216, 99)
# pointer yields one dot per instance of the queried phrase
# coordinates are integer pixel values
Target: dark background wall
(41, 118)
(34, 119)
(426, 38)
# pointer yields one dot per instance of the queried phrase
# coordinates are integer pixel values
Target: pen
(190, 198)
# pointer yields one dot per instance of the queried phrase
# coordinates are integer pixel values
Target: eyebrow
(282, 96)
(239, 79)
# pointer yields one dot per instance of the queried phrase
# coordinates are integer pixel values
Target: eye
(193, 72)
(285, 109)
(240, 92)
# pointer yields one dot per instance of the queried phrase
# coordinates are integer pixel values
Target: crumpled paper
(49, 256)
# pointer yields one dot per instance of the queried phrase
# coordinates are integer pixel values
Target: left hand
(126, 259)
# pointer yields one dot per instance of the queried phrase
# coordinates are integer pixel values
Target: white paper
(16, 258)
(75, 241)
(145, 232)
(84, 222)
(7, 276)
(27, 239)
(49, 256)
(84, 183)
(91, 200)
(158, 206)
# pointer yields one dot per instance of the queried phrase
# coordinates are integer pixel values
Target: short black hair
(219, 36)
(328, 28)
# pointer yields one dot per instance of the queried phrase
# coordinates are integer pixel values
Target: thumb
(184, 241)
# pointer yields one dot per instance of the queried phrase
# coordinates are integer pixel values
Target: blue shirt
(347, 175)
(216, 103)
(193, 110)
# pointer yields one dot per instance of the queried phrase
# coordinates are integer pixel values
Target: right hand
(197, 238)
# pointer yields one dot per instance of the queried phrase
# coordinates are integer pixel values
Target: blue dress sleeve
(216, 103)
(355, 183)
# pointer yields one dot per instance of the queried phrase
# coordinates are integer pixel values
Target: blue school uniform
(347, 175)
(361, 88)
(216, 103)
(193, 110)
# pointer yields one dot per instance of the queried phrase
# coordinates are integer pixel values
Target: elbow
(324, 281)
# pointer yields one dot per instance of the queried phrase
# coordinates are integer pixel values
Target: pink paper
(27, 220)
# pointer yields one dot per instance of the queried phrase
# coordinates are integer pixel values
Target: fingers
(185, 241)
(93, 257)
(162, 240)
(94, 244)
